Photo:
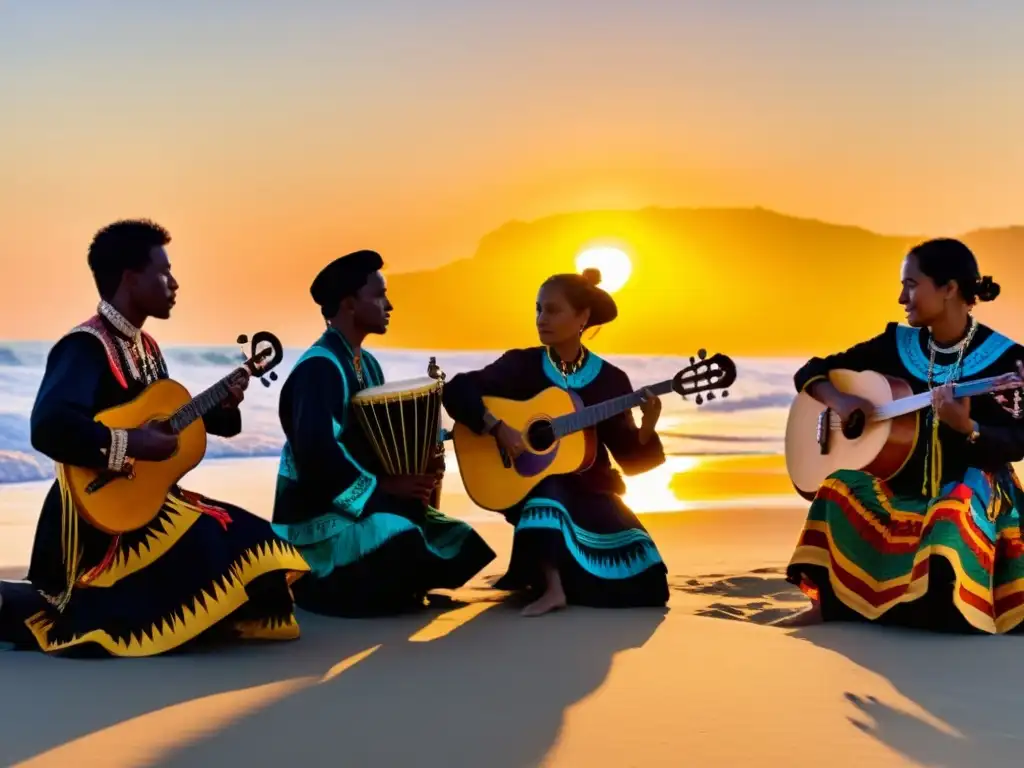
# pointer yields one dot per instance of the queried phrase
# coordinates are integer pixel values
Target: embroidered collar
(979, 356)
(116, 319)
(579, 378)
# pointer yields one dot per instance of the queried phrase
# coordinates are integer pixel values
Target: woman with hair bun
(939, 545)
(575, 540)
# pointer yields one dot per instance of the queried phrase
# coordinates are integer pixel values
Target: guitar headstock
(262, 354)
(705, 374)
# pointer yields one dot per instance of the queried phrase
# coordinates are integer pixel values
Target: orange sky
(269, 141)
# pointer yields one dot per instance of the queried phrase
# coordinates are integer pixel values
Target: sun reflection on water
(652, 491)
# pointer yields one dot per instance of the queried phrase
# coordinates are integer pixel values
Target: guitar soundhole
(540, 436)
(854, 427)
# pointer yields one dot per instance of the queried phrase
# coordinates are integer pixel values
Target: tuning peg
(273, 376)
(725, 393)
(711, 396)
(242, 339)
(264, 382)
(702, 353)
(699, 399)
(692, 360)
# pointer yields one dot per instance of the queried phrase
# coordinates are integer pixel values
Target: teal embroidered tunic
(329, 503)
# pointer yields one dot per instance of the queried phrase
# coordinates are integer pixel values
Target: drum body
(402, 420)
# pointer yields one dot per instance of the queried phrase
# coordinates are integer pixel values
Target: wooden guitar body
(492, 485)
(560, 432)
(118, 502)
(129, 503)
(881, 447)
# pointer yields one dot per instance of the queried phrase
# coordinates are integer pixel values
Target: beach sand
(704, 683)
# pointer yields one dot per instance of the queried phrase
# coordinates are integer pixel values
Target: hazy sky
(268, 133)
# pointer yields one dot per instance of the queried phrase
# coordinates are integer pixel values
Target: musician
(939, 546)
(203, 568)
(575, 540)
(374, 545)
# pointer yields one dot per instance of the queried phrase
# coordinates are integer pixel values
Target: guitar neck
(202, 403)
(918, 402)
(594, 414)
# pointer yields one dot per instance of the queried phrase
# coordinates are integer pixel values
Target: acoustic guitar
(559, 432)
(121, 501)
(880, 442)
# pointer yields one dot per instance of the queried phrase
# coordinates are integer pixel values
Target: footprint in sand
(761, 596)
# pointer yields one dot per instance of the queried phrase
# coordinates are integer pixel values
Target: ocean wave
(750, 420)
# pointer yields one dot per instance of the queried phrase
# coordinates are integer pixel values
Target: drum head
(409, 387)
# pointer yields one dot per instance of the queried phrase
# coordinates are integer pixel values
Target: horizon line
(976, 230)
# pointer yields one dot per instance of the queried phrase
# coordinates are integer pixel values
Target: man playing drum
(373, 543)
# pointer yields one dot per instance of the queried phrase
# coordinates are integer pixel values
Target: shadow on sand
(504, 679)
(972, 683)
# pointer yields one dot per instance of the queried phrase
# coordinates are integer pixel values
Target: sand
(706, 682)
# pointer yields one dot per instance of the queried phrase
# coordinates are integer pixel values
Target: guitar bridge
(824, 431)
(106, 477)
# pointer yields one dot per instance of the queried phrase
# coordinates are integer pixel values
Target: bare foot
(805, 618)
(552, 600)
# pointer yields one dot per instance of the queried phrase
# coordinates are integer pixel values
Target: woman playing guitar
(575, 541)
(939, 544)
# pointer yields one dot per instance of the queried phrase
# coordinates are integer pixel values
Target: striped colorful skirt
(954, 562)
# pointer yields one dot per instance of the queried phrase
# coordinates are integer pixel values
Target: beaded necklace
(933, 449)
(567, 369)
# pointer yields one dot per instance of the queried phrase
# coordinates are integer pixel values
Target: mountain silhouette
(741, 281)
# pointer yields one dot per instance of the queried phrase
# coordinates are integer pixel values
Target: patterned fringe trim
(269, 629)
(620, 555)
(211, 606)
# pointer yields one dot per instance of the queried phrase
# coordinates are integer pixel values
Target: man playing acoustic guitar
(201, 568)
(372, 542)
(938, 545)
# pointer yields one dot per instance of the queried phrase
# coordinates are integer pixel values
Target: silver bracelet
(118, 449)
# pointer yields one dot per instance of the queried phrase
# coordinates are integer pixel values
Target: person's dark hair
(944, 259)
(121, 246)
(581, 292)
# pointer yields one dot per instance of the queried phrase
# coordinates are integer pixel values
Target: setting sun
(614, 264)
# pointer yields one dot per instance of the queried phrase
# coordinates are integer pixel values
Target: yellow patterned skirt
(202, 570)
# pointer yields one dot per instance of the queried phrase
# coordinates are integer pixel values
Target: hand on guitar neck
(157, 441)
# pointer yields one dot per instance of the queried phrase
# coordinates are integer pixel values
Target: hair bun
(987, 289)
(592, 275)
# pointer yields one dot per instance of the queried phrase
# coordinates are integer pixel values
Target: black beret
(344, 277)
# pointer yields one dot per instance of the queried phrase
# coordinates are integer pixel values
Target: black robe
(576, 522)
(201, 569)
